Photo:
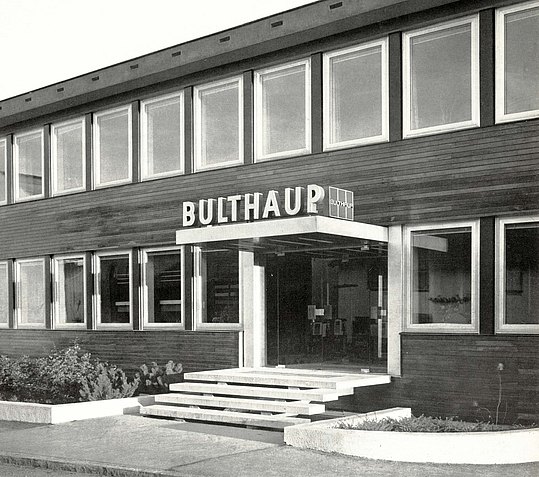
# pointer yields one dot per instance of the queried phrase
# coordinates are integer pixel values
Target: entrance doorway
(328, 309)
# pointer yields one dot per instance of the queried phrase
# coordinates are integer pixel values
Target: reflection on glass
(29, 165)
(114, 286)
(69, 290)
(113, 146)
(31, 292)
(68, 157)
(4, 294)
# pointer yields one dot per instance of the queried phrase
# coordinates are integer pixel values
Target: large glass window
(518, 275)
(283, 111)
(28, 165)
(442, 263)
(68, 157)
(112, 147)
(441, 78)
(113, 289)
(162, 287)
(356, 95)
(69, 291)
(30, 293)
(218, 124)
(517, 62)
(4, 294)
(162, 136)
(3, 171)
(218, 287)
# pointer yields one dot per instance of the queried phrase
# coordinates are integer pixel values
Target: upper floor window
(441, 78)
(356, 95)
(30, 293)
(3, 171)
(517, 62)
(68, 155)
(162, 136)
(5, 286)
(69, 291)
(283, 110)
(28, 165)
(517, 277)
(112, 147)
(218, 111)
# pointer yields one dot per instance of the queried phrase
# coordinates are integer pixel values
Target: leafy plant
(154, 379)
(107, 382)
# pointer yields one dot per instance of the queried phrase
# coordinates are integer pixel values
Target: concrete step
(261, 405)
(276, 421)
(223, 389)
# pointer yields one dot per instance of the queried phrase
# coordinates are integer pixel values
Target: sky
(43, 42)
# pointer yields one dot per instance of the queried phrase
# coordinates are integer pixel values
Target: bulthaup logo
(341, 203)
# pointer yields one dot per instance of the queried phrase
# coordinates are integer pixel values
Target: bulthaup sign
(313, 199)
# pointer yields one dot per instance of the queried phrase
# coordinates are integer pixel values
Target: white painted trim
(16, 137)
(279, 227)
(406, 79)
(54, 270)
(501, 326)
(6, 291)
(327, 86)
(18, 323)
(395, 309)
(4, 142)
(501, 116)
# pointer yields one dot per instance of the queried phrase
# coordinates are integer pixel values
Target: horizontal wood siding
(471, 173)
(130, 349)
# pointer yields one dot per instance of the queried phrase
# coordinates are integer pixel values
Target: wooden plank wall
(130, 349)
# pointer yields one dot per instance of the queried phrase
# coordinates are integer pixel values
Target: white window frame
(407, 81)
(327, 86)
(145, 301)
(198, 298)
(97, 290)
(54, 156)
(144, 166)
(197, 108)
(501, 326)
(473, 327)
(18, 323)
(55, 314)
(33, 132)
(258, 111)
(7, 265)
(501, 116)
(4, 160)
(120, 111)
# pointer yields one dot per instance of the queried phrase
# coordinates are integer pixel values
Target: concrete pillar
(395, 308)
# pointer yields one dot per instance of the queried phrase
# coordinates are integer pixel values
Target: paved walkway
(138, 446)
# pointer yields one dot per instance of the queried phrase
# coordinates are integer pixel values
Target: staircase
(257, 397)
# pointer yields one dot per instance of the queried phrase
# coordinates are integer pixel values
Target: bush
(156, 380)
(107, 382)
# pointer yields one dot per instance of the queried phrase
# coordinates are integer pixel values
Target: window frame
(473, 327)
(16, 165)
(327, 85)
(198, 298)
(259, 111)
(146, 325)
(96, 157)
(96, 266)
(499, 64)
(8, 291)
(144, 165)
(17, 320)
(197, 118)
(54, 153)
(501, 326)
(4, 159)
(54, 269)
(407, 132)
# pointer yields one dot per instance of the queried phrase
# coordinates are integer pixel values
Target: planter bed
(57, 413)
(498, 447)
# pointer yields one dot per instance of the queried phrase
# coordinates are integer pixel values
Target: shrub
(107, 382)
(154, 379)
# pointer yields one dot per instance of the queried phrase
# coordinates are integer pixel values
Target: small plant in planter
(155, 379)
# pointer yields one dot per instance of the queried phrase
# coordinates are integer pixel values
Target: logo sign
(341, 203)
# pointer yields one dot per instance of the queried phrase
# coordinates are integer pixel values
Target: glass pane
(522, 61)
(29, 163)
(69, 299)
(163, 137)
(164, 287)
(31, 293)
(114, 288)
(522, 274)
(441, 81)
(220, 287)
(219, 128)
(441, 276)
(356, 95)
(68, 152)
(4, 294)
(283, 110)
(113, 144)
(3, 184)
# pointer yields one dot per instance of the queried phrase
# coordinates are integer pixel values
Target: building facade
(194, 204)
